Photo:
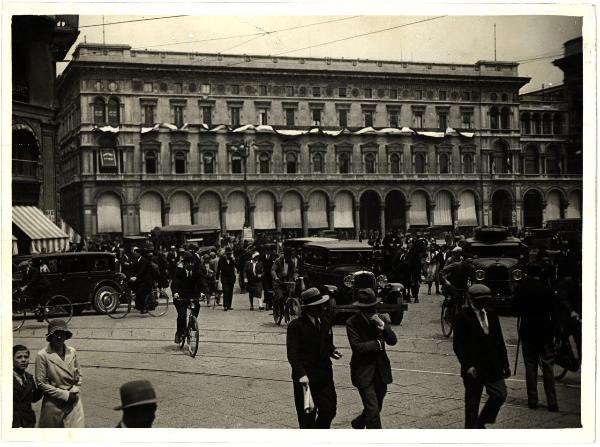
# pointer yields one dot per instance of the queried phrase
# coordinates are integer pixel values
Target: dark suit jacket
(35, 281)
(309, 351)
(188, 288)
(487, 353)
(254, 280)
(23, 396)
(368, 357)
(142, 270)
(226, 272)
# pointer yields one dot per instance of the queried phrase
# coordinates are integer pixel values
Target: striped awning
(41, 230)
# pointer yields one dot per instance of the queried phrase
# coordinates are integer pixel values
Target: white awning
(467, 213)
(236, 205)
(343, 214)
(418, 209)
(209, 210)
(553, 206)
(41, 230)
(317, 210)
(180, 209)
(108, 214)
(264, 212)
(442, 213)
(574, 208)
(150, 212)
(291, 211)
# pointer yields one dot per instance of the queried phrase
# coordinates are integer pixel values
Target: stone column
(331, 216)
(278, 216)
(165, 214)
(544, 205)
(131, 221)
(223, 218)
(564, 204)
(406, 215)
(357, 219)
(519, 214)
(305, 207)
(251, 208)
(195, 211)
(455, 207)
(431, 216)
(382, 219)
(89, 220)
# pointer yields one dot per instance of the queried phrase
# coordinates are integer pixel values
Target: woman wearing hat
(254, 272)
(58, 376)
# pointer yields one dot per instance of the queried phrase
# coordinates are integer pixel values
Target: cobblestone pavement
(241, 378)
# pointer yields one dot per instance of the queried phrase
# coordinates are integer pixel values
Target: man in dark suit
(142, 280)
(186, 286)
(226, 273)
(35, 285)
(479, 346)
(309, 352)
(370, 369)
(25, 390)
(138, 403)
(253, 273)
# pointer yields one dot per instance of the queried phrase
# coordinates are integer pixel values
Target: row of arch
(343, 211)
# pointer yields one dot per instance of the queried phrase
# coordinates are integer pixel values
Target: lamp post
(243, 150)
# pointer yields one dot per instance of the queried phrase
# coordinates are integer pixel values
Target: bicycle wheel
(116, 305)
(193, 336)
(278, 311)
(447, 318)
(292, 309)
(162, 303)
(58, 307)
(18, 314)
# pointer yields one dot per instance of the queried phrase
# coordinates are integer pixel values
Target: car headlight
(479, 275)
(349, 281)
(382, 281)
(517, 274)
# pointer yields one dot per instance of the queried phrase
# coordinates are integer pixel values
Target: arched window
(99, 111)
(113, 112)
(505, 118)
(494, 118)
(264, 160)
(317, 163)
(370, 163)
(444, 164)
(179, 162)
(537, 124)
(236, 164)
(532, 160)
(291, 163)
(525, 124)
(546, 124)
(504, 97)
(420, 163)
(468, 164)
(344, 162)
(395, 164)
(208, 160)
(150, 162)
(557, 124)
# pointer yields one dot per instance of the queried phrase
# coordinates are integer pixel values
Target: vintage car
(499, 260)
(341, 268)
(83, 277)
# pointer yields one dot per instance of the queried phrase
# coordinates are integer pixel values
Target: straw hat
(58, 326)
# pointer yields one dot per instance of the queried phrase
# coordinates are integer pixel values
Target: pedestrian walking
(479, 345)
(538, 311)
(226, 274)
(254, 272)
(310, 349)
(25, 390)
(58, 376)
(370, 370)
(138, 403)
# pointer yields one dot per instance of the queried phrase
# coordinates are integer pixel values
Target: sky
(443, 39)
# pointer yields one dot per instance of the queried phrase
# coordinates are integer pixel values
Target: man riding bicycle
(186, 286)
(457, 274)
(284, 269)
(35, 285)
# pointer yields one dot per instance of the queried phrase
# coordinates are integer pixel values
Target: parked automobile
(341, 268)
(298, 242)
(499, 261)
(83, 277)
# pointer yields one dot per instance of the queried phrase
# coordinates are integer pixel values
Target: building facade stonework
(153, 138)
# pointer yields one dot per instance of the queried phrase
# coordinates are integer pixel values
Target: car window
(52, 265)
(496, 251)
(73, 264)
(101, 264)
(363, 258)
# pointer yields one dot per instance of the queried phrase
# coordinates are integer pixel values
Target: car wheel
(100, 304)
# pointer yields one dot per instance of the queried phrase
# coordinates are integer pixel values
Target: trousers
(227, 293)
(496, 391)
(325, 399)
(372, 400)
(542, 353)
(181, 307)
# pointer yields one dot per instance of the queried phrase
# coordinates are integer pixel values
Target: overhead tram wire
(343, 39)
(131, 21)
(248, 35)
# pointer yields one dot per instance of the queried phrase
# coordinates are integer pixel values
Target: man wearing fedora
(139, 404)
(226, 273)
(370, 370)
(186, 286)
(479, 345)
(310, 349)
(141, 281)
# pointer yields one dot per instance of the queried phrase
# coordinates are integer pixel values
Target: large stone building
(153, 138)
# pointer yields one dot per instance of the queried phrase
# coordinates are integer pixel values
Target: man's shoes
(553, 408)
(532, 405)
(144, 311)
(260, 308)
(177, 339)
(416, 300)
(252, 308)
(358, 423)
(39, 316)
(230, 308)
(226, 309)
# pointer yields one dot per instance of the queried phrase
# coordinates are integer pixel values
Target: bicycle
(454, 299)
(191, 336)
(567, 354)
(288, 306)
(118, 304)
(55, 307)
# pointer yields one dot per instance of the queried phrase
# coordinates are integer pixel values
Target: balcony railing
(25, 168)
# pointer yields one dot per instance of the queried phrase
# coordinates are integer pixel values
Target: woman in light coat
(58, 376)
